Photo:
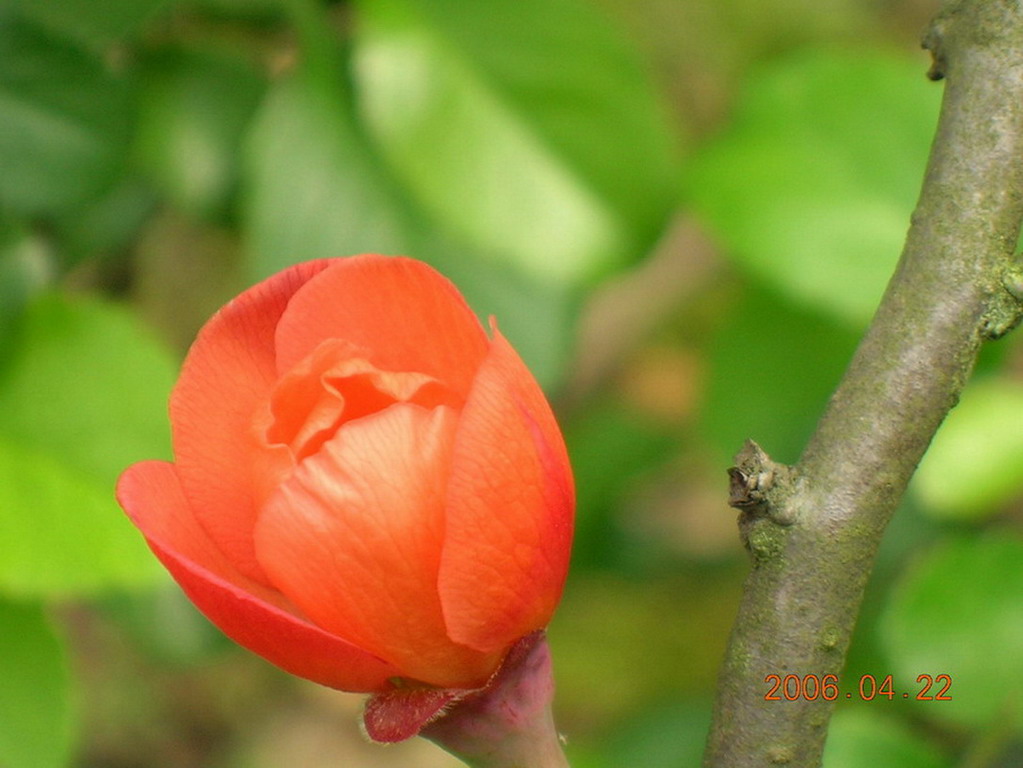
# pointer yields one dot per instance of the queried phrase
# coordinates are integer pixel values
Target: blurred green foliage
(682, 212)
(80, 397)
(820, 219)
(36, 698)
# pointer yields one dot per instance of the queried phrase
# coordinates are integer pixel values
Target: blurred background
(682, 212)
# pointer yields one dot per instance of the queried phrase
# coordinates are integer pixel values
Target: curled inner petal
(402, 313)
(331, 387)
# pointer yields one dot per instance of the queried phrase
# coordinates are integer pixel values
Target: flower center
(330, 388)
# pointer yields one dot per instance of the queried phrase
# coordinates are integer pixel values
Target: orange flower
(366, 485)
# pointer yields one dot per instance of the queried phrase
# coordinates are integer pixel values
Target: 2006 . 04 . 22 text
(826, 687)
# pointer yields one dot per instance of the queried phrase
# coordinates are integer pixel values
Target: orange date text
(826, 687)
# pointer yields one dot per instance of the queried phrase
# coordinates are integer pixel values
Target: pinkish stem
(507, 724)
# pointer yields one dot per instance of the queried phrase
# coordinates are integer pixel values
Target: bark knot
(754, 480)
(758, 487)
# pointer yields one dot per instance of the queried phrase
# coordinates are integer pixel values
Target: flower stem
(508, 724)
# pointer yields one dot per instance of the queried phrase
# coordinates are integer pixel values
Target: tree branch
(813, 530)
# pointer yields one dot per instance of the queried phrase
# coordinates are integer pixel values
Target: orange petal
(353, 538)
(333, 385)
(227, 375)
(401, 312)
(510, 509)
(253, 616)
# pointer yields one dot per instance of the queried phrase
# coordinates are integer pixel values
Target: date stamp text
(826, 687)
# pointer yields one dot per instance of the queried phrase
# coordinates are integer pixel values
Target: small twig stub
(753, 477)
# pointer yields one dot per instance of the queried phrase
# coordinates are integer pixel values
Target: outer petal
(228, 373)
(252, 615)
(353, 537)
(403, 313)
(510, 509)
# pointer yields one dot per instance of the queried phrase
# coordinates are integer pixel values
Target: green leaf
(313, 188)
(106, 223)
(88, 386)
(195, 106)
(84, 396)
(812, 187)
(957, 613)
(858, 738)
(36, 711)
(62, 533)
(528, 127)
(91, 23)
(974, 466)
(24, 270)
(669, 735)
(245, 10)
(65, 120)
(772, 369)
